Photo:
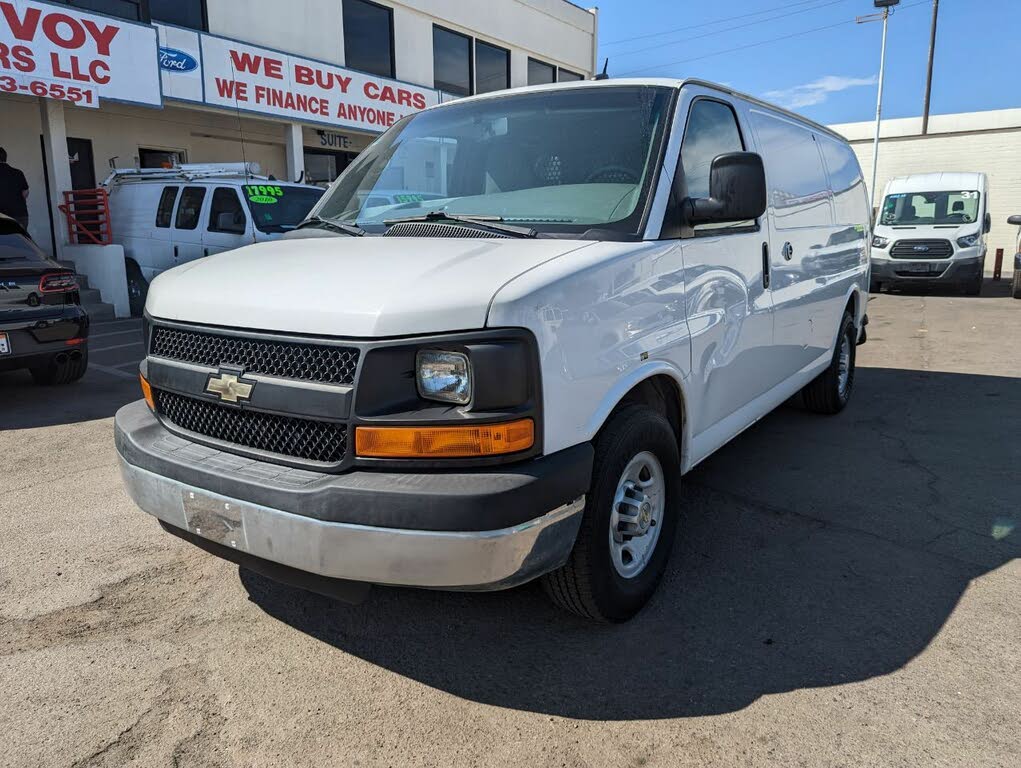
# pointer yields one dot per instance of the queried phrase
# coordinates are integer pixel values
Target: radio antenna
(241, 127)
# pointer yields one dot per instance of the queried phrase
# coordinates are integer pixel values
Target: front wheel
(831, 390)
(1015, 290)
(629, 521)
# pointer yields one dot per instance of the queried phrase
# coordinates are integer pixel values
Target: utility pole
(885, 15)
(928, 74)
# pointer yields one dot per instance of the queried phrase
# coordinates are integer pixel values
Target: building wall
(986, 142)
(20, 130)
(554, 31)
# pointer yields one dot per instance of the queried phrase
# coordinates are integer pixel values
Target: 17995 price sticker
(85, 97)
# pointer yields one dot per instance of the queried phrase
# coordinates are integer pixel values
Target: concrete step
(90, 296)
(99, 313)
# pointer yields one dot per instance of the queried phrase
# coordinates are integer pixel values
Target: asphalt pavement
(843, 592)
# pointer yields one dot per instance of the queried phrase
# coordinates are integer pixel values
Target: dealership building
(300, 86)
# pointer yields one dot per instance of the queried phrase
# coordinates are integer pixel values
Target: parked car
(165, 217)
(507, 382)
(42, 324)
(931, 231)
(1015, 290)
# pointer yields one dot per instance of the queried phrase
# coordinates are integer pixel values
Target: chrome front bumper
(475, 560)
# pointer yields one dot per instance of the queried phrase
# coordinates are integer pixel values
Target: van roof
(663, 82)
(937, 181)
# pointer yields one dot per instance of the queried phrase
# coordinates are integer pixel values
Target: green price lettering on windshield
(263, 195)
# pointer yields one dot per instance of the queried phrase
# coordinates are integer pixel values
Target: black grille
(298, 438)
(922, 249)
(289, 359)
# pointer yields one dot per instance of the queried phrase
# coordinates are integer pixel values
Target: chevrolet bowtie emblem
(229, 387)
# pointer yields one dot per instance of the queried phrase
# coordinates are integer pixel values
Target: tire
(590, 584)
(138, 288)
(60, 374)
(828, 393)
(875, 286)
(1015, 289)
(974, 286)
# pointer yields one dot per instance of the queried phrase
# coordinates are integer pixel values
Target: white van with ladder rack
(165, 217)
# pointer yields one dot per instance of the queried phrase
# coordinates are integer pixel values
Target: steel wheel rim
(636, 517)
(844, 366)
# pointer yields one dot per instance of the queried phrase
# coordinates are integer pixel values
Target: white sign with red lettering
(256, 79)
(60, 53)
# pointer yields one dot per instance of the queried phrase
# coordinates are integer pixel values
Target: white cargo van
(931, 230)
(508, 381)
(167, 217)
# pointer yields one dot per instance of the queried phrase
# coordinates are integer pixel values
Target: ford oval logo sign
(920, 248)
(173, 60)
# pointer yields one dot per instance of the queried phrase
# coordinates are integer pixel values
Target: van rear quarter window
(165, 211)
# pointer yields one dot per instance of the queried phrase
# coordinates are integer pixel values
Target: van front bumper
(958, 270)
(525, 518)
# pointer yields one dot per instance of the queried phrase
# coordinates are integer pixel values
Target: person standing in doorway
(13, 191)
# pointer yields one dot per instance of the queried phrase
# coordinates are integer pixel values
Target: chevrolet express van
(165, 217)
(931, 231)
(509, 381)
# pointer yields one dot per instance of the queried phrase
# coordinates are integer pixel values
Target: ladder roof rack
(186, 172)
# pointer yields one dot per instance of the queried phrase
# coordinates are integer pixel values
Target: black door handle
(205, 251)
(765, 265)
(175, 251)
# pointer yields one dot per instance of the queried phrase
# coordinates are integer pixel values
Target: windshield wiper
(491, 223)
(336, 226)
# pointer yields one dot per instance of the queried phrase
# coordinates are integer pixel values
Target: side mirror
(1014, 220)
(987, 223)
(737, 190)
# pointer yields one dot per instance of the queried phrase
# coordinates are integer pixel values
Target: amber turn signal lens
(147, 392)
(462, 442)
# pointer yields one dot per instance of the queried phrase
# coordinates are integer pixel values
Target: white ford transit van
(508, 381)
(931, 231)
(168, 217)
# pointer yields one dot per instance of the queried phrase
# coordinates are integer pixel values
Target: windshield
(562, 161)
(17, 250)
(914, 209)
(279, 209)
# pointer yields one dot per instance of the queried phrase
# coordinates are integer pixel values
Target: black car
(42, 324)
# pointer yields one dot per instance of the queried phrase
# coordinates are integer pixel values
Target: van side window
(845, 180)
(226, 213)
(712, 131)
(190, 207)
(165, 211)
(798, 189)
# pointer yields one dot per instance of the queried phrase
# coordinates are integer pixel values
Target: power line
(783, 7)
(756, 45)
(728, 29)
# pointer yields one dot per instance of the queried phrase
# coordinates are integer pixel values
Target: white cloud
(817, 91)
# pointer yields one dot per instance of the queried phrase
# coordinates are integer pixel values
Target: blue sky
(829, 74)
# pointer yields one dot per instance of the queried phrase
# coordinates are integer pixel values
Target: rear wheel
(629, 522)
(64, 368)
(831, 390)
(138, 288)
(1016, 287)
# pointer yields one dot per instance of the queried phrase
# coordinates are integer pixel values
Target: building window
(540, 73)
(567, 76)
(123, 9)
(452, 62)
(369, 37)
(180, 13)
(492, 68)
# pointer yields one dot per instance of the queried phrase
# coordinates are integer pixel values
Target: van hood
(350, 286)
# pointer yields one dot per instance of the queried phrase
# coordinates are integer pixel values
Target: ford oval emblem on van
(920, 248)
(174, 60)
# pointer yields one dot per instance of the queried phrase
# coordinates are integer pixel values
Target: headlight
(880, 242)
(969, 241)
(443, 376)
